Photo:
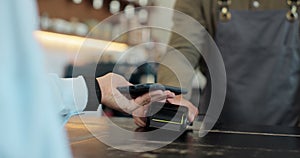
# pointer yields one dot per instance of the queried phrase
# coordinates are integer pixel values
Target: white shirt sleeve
(70, 94)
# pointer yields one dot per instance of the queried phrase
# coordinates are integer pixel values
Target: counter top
(240, 141)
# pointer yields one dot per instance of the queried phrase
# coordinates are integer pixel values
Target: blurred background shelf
(65, 24)
(81, 9)
(79, 17)
(75, 33)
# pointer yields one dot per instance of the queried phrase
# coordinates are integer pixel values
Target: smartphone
(139, 89)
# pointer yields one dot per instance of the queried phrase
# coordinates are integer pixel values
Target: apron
(261, 55)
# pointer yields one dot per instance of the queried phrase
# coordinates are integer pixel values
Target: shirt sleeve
(94, 97)
(166, 75)
(70, 94)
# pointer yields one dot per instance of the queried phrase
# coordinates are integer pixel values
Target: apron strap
(292, 14)
(224, 14)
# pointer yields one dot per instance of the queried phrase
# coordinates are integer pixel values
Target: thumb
(152, 96)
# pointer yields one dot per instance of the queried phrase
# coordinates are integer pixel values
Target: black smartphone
(139, 89)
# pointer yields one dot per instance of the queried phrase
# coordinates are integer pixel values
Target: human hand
(111, 97)
(179, 100)
(139, 114)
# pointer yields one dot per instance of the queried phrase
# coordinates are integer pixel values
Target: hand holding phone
(137, 90)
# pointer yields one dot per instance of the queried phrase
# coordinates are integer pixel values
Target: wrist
(98, 90)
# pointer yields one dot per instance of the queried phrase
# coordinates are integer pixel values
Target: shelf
(70, 43)
(66, 9)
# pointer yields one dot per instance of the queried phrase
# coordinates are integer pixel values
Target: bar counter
(229, 142)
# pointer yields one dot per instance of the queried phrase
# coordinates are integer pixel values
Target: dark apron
(261, 55)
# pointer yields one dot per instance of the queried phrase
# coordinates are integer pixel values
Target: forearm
(179, 63)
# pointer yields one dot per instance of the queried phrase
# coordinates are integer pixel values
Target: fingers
(193, 110)
(141, 122)
(150, 97)
(154, 96)
(111, 96)
(121, 103)
(141, 111)
(145, 100)
(139, 115)
(157, 95)
(169, 94)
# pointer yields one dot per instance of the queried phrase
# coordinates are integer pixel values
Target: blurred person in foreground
(30, 123)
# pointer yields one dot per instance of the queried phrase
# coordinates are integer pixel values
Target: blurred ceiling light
(143, 2)
(49, 39)
(97, 4)
(143, 16)
(114, 6)
(77, 1)
(129, 11)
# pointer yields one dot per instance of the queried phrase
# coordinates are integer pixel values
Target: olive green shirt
(206, 12)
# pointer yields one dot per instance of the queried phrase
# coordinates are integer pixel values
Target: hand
(111, 97)
(178, 100)
(139, 115)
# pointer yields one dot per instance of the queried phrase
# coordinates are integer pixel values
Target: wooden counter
(242, 141)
